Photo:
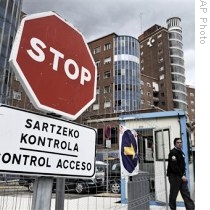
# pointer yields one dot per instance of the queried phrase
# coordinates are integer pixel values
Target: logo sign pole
(108, 146)
(129, 159)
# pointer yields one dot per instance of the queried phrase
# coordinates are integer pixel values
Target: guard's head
(177, 141)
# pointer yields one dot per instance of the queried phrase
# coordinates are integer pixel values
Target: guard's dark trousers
(176, 185)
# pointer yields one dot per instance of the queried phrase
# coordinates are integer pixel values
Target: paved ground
(104, 201)
(85, 203)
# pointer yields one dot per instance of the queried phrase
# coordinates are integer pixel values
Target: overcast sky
(96, 18)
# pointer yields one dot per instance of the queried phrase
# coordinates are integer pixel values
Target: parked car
(27, 181)
(115, 178)
(79, 185)
(114, 175)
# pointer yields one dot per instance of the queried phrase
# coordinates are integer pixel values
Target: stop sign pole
(57, 71)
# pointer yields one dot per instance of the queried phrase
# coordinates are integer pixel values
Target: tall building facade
(118, 84)
(191, 102)
(10, 13)
(155, 67)
(177, 63)
(162, 68)
(118, 78)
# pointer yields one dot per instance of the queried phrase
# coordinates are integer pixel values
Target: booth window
(162, 144)
(148, 149)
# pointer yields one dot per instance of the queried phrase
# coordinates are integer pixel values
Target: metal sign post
(108, 146)
(60, 193)
(42, 193)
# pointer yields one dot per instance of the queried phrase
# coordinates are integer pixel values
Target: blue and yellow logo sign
(129, 151)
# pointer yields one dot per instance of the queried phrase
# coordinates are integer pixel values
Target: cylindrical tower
(127, 73)
(177, 63)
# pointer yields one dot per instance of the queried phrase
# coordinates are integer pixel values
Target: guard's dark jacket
(176, 162)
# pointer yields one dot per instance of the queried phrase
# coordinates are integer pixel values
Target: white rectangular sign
(36, 144)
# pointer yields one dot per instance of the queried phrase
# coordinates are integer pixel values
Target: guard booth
(156, 132)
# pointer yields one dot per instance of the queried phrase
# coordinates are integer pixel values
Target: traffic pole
(60, 192)
(42, 193)
(60, 182)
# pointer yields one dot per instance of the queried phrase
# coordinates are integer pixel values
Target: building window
(98, 90)
(118, 103)
(107, 46)
(107, 89)
(107, 74)
(162, 77)
(160, 60)
(97, 50)
(142, 92)
(148, 84)
(192, 94)
(118, 87)
(100, 136)
(16, 95)
(192, 102)
(128, 87)
(98, 63)
(122, 71)
(161, 68)
(160, 150)
(107, 104)
(160, 44)
(142, 101)
(98, 76)
(114, 135)
(160, 51)
(107, 60)
(159, 36)
(95, 106)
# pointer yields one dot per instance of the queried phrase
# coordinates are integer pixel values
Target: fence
(145, 191)
(148, 190)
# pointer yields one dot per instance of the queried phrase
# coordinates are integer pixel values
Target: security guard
(176, 173)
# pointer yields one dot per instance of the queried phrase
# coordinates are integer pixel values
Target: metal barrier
(139, 192)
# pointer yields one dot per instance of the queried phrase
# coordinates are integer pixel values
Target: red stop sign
(54, 65)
